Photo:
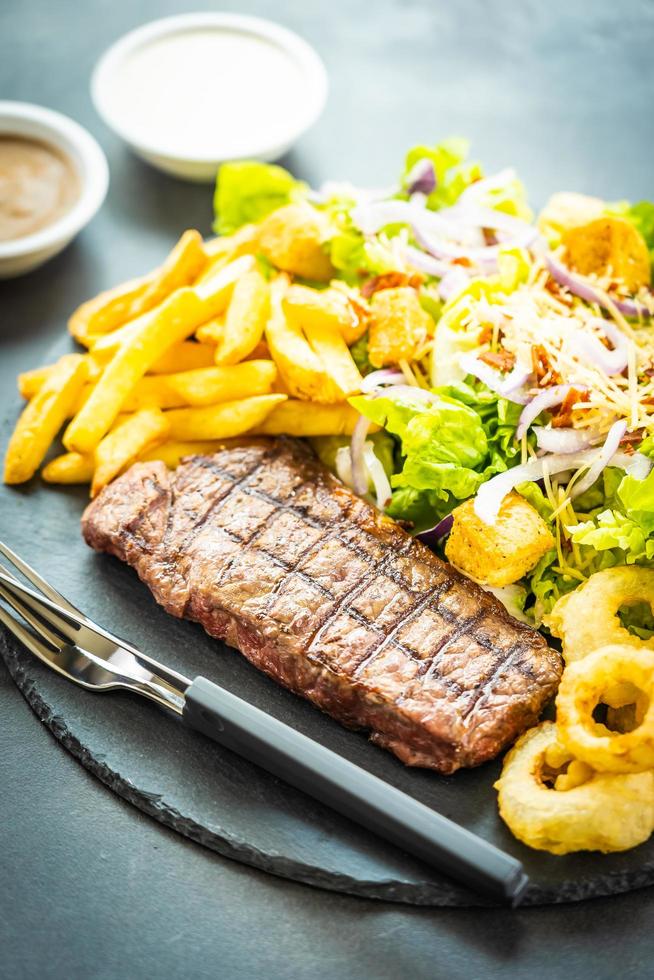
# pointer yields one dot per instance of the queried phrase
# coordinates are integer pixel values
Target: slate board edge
(282, 866)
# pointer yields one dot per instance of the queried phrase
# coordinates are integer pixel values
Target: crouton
(399, 326)
(292, 238)
(501, 553)
(609, 246)
(568, 210)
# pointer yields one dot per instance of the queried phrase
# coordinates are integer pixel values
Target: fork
(66, 640)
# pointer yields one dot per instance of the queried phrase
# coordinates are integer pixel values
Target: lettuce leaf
(453, 172)
(246, 191)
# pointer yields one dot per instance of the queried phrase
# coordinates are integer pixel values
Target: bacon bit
(552, 286)
(631, 439)
(502, 360)
(542, 367)
(390, 280)
(485, 334)
(462, 260)
(563, 417)
(490, 237)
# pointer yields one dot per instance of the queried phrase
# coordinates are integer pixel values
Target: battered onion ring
(607, 676)
(609, 812)
(587, 618)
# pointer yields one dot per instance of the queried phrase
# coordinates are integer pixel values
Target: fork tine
(43, 607)
(37, 624)
(36, 579)
(25, 636)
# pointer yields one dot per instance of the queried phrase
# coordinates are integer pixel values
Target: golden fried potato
(168, 324)
(607, 812)
(42, 418)
(615, 675)
(210, 334)
(29, 382)
(245, 320)
(301, 370)
(399, 326)
(206, 386)
(126, 441)
(125, 302)
(588, 617)
(501, 553)
(609, 247)
(185, 356)
(293, 239)
(297, 418)
(330, 308)
(222, 421)
(172, 453)
(336, 358)
(69, 468)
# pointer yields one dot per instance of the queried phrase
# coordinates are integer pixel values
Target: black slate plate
(214, 797)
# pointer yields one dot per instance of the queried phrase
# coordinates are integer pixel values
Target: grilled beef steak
(273, 555)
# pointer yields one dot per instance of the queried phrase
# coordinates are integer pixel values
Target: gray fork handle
(353, 791)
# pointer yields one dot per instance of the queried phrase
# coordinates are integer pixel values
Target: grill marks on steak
(268, 551)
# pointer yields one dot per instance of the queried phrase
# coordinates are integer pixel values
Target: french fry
(104, 347)
(334, 354)
(227, 248)
(125, 442)
(168, 324)
(206, 386)
(327, 308)
(296, 418)
(30, 382)
(69, 468)
(116, 306)
(300, 368)
(221, 421)
(42, 418)
(172, 453)
(245, 320)
(211, 333)
(185, 356)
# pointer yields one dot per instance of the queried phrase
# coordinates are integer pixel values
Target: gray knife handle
(353, 791)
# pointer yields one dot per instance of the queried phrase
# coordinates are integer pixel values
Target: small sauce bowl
(76, 145)
(189, 92)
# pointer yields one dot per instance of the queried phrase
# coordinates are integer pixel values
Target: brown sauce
(38, 184)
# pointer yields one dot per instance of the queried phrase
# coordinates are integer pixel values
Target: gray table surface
(90, 887)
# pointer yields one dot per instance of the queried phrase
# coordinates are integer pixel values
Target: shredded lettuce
(246, 191)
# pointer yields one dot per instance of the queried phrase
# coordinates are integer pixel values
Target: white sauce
(208, 92)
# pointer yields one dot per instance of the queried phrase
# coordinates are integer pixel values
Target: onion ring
(606, 676)
(607, 812)
(587, 618)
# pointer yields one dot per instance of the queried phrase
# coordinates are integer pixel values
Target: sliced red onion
(634, 464)
(452, 282)
(580, 286)
(587, 347)
(564, 440)
(384, 377)
(369, 218)
(426, 263)
(433, 535)
(357, 443)
(508, 386)
(484, 256)
(421, 179)
(479, 188)
(491, 494)
(602, 459)
(483, 217)
(547, 398)
(383, 491)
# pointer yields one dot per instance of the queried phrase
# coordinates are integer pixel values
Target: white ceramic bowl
(33, 121)
(170, 156)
